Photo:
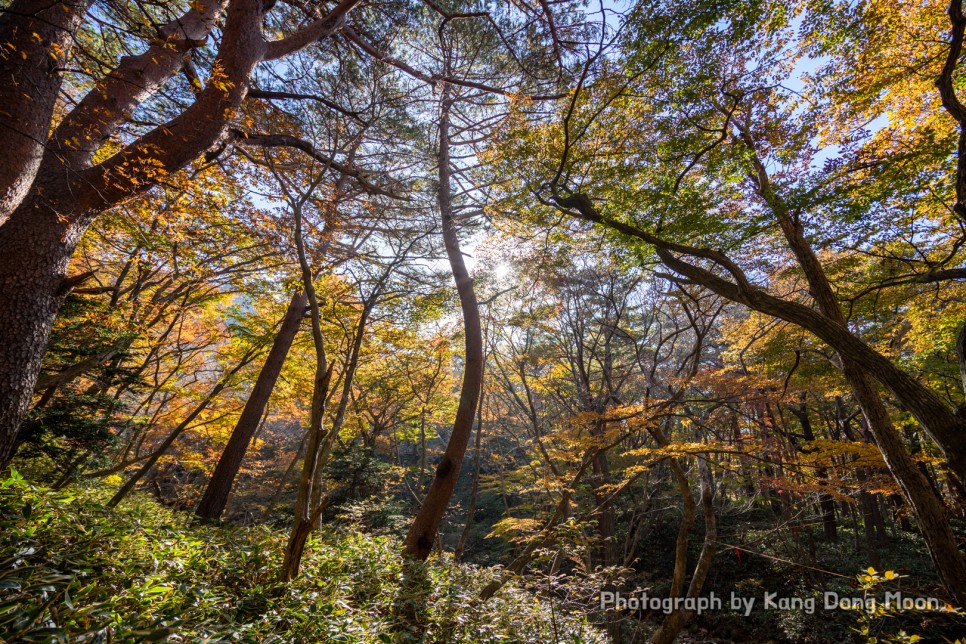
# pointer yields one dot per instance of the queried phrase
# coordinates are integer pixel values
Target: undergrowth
(72, 570)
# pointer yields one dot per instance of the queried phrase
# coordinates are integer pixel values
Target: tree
(70, 183)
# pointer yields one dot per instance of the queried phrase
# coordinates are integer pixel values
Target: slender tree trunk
(677, 620)
(348, 377)
(899, 514)
(825, 501)
(828, 517)
(474, 492)
(216, 495)
(304, 513)
(868, 525)
(605, 520)
(422, 533)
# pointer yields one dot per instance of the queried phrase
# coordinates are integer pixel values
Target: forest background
(558, 297)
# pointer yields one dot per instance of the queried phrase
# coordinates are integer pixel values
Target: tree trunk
(35, 250)
(825, 501)
(475, 490)
(304, 513)
(676, 621)
(422, 533)
(267, 512)
(219, 487)
(36, 38)
(828, 517)
(868, 525)
(47, 203)
(605, 520)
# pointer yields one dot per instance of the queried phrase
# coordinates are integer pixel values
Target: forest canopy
(439, 320)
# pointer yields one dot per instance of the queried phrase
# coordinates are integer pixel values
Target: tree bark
(676, 621)
(35, 250)
(304, 512)
(474, 491)
(36, 38)
(422, 533)
(39, 237)
(215, 498)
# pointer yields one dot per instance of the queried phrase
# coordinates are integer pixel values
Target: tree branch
(284, 140)
(314, 32)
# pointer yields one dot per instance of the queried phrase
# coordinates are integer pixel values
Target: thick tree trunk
(422, 533)
(36, 37)
(215, 498)
(35, 250)
(39, 237)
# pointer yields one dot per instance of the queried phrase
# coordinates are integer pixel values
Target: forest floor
(73, 570)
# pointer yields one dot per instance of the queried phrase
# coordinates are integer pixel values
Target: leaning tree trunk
(929, 508)
(422, 533)
(215, 498)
